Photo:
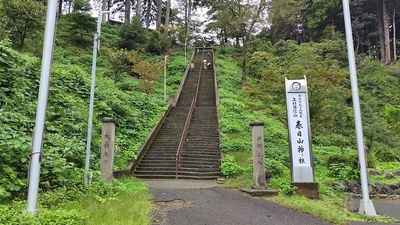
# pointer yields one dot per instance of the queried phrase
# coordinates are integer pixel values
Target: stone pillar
(107, 149)
(258, 155)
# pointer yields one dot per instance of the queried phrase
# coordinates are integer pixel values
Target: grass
(131, 206)
(332, 203)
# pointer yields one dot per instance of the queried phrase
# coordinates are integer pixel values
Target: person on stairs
(191, 67)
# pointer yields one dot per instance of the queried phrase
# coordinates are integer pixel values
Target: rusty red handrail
(193, 105)
(183, 137)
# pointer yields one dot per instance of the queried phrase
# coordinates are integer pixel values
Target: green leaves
(230, 168)
(22, 19)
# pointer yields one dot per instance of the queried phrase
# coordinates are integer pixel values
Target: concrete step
(155, 168)
(155, 176)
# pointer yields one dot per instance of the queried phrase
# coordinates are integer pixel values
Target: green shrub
(234, 145)
(343, 172)
(157, 43)
(386, 154)
(276, 167)
(132, 35)
(12, 215)
(230, 168)
(343, 167)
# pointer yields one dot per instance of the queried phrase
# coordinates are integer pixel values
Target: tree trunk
(380, 31)
(128, 11)
(148, 14)
(386, 32)
(166, 26)
(138, 8)
(60, 7)
(189, 18)
(394, 35)
(104, 8)
(159, 12)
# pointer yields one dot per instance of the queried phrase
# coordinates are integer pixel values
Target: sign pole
(366, 205)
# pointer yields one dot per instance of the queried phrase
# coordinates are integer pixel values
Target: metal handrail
(183, 137)
(193, 105)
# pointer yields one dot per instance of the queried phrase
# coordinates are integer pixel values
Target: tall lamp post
(185, 50)
(366, 205)
(165, 78)
(37, 142)
(96, 46)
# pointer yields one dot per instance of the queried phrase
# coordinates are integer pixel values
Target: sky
(199, 14)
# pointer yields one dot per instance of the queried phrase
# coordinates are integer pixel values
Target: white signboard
(299, 130)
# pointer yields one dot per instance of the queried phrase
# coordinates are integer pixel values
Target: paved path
(386, 207)
(184, 202)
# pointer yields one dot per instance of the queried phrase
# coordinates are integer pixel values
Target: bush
(385, 154)
(157, 43)
(343, 167)
(230, 168)
(132, 35)
(343, 172)
(12, 215)
(276, 167)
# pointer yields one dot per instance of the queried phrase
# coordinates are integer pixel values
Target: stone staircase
(201, 153)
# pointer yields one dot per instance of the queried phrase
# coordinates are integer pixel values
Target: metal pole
(37, 144)
(165, 78)
(185, 49)
(366, 205)
(96, 46)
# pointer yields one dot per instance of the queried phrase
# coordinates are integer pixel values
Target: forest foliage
(304, 39)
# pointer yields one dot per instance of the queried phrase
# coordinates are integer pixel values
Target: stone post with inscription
(258, 155)
(107, 149)
(299, 128)
(259, 175)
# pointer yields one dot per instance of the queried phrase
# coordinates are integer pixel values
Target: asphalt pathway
(183, 202)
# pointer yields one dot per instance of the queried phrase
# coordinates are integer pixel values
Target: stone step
(161, 158)
(199, 169)
(194, 177)
(152, 171)
(155, 176)
(201, 154)
(199, 174)
(156, 168)
(152, 163)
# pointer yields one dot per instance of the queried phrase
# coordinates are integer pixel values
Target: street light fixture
(96, 47)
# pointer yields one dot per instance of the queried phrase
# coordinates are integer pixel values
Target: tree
(22, 19)
(120, 62)
(132, 35)
(321, 19)
(81, 22)
(167, 15)
(128, 11)
(138, 8)
(385, 20)
(394, 34)
(147, 71)
(188, 15)
(287, 20)
(159, 13)
(104, 7)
